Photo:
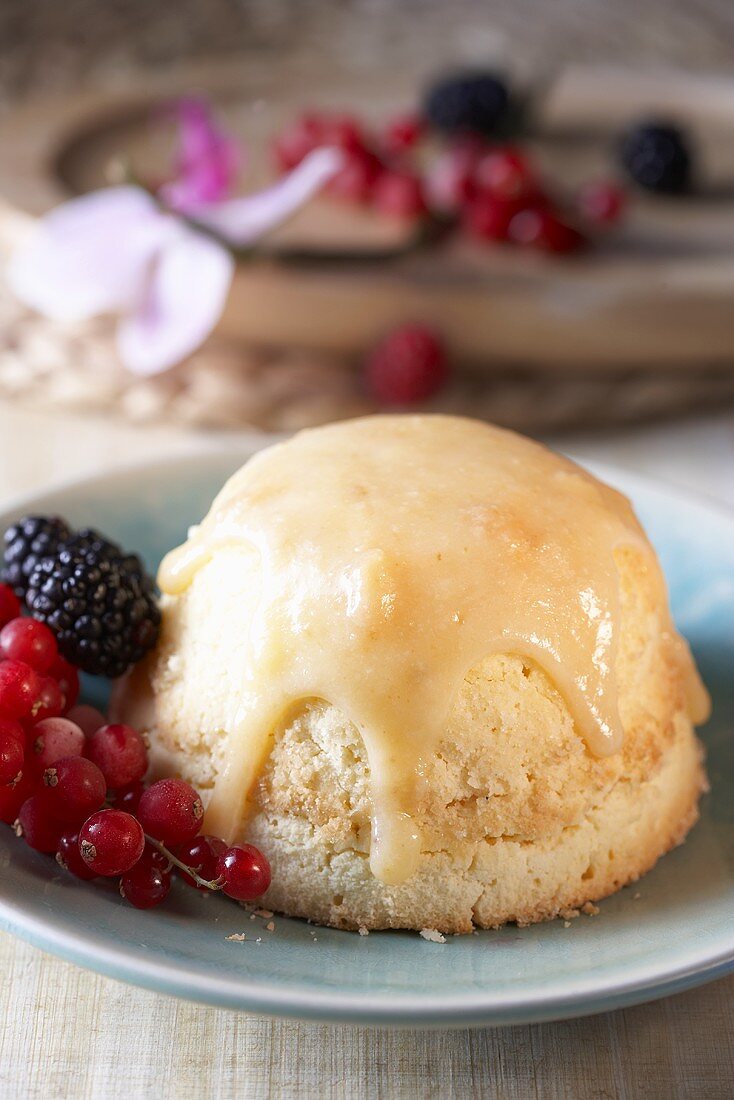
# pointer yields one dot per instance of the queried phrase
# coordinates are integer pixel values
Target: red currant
(37, 826)
(120, 753)
(489, 218)
(29, 641)
(67, 678)
(12, 798)
(399, 195)
(12, 753)
(403, 132)
(9, 727)
(69, 857)
(245, 872)
(171, 811)
(408, 366)
(146, 884)
(344, 131)
(450, 182)
(542, 229)
(201, 855)
(504, 173)
(355, 180)
(19, 687)
(299, 139)
(601, 202)
(75, 788)
(9, 604)
(89, 719)
(51, 700)
(128, 798)
(111, 842)
(54, 738)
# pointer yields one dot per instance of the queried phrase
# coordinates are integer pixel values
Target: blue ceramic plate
(672, 930)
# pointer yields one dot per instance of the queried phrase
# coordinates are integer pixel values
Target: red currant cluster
(376, 170)
(492, 191)
(497, 196)
(73, 785)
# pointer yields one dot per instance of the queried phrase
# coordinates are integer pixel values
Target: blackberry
(657, 157)
(473, 103)
(99, 602)
(26, 542)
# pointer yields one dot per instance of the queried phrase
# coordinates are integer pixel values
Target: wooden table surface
(67, 1033)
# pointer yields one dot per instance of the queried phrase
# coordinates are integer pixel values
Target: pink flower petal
(241, 221)
(184, 298)
(207, 159)
(89, 255)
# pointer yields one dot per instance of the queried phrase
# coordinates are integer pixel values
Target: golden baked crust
(520, 821)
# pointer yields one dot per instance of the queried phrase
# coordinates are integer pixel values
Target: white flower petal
(90, 254)
(184, 298)
(241, 221)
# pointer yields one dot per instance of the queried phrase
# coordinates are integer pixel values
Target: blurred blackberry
(26, 542)
(99, 602)
(657, 157)
(469, 103)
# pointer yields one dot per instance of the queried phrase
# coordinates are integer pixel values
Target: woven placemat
(228, 386)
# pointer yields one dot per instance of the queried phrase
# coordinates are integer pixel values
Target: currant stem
(213, 884)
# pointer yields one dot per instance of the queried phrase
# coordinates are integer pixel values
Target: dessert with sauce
(429, 667)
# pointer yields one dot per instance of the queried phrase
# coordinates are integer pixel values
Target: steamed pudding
(428, 667)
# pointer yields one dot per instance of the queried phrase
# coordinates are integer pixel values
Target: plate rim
(458, 1010)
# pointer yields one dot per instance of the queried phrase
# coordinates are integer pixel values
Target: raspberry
(399, 194)
(657, 157)
(474, 102)
(408, 366)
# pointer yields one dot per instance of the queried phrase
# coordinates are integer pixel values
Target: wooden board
(659, 291)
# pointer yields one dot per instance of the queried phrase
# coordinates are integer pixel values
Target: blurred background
(600, 318)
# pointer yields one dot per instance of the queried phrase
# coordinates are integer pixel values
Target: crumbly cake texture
(520, 821)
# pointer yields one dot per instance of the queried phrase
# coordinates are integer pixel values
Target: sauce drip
(392, 555)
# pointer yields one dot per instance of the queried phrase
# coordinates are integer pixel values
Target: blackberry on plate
(99, 602)
(473, 103)
(657, 157)
(26, 542)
